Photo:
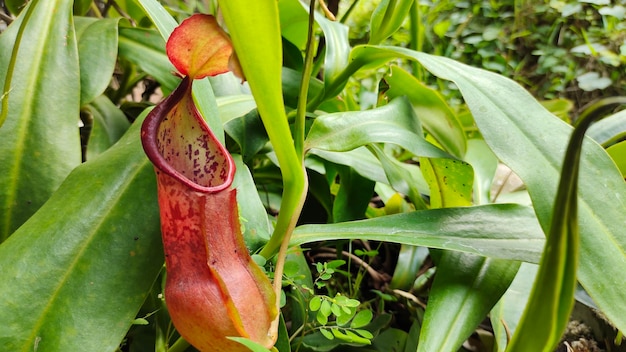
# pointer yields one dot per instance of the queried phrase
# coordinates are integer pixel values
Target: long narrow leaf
(466, 287)
(503, 231)
(531, 141)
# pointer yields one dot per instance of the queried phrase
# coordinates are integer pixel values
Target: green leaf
(294, 22)
(248, 132)
(15, 6)
(610, 129)
(234, 105)
(109, 124)
(498, 104)
(353, 197)
(461, 298)
(431, 109)
(257, 226)
(325, 308)
(337, 46)
(478, 230)
(552, 297)
(506, 313)
(618, 154)
(410, 261)
(81, 7)
(66, 263)
(40, 140)
(507, 116)
(327, 334)
(391, 339)
(359, 159)
(387, 19)
(315, 303)
(164, 22)
(485, 163)
(146, 49)
(413, 337)
(97, 52)
(253, 346)
(361, 319)
(393, 123)
(450, 182)
(404, 178)
(321, 318)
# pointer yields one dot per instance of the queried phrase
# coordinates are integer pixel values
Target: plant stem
(304, 85)
(299, 146)
(417, 37)
(179, 346)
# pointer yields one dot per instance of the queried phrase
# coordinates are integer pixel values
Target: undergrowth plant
(359, 189)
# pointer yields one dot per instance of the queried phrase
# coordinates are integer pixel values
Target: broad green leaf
(478, 230)
(79, 269)
(109, 124)
(40, 141)
(450, 182)
(552, 297)
(391, 339)
(97, 53)
(387, 19)
(393, 123)
(560, 107)
(256, 225)
(466, 287)
(531, 141)
(432, 110)
(163, 21)
(413, 338)
(146, 49)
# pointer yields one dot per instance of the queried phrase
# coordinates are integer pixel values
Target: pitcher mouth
(200, 175)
